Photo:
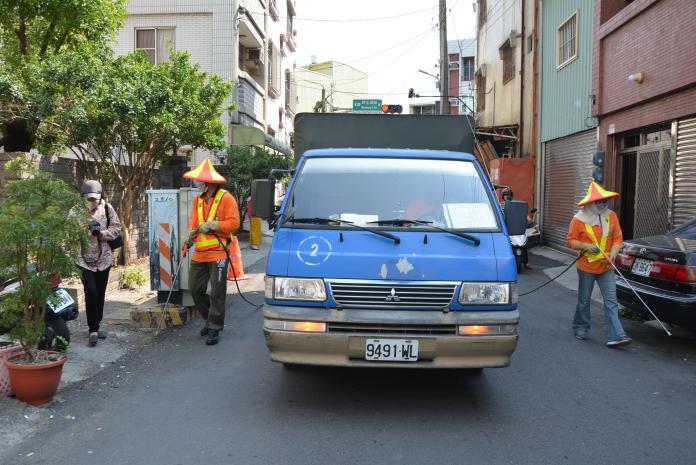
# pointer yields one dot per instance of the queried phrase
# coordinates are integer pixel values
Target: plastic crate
(6, 353)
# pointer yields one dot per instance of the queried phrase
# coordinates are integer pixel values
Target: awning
(278, 145)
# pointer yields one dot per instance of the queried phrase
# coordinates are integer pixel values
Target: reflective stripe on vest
(593, 257)
(208, 241)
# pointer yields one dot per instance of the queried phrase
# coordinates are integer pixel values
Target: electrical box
(168, 220)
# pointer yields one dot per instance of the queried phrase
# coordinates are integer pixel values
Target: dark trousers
(211, 308)
(94, 283)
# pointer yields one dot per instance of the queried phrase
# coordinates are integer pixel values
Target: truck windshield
(447, 193)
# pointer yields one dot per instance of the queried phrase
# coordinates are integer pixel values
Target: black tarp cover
(353, 130)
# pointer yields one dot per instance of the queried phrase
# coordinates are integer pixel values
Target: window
(482, 12)
(158, 43)
(480, 92)
(567, 41)
(449, 193)
(508, 54)
(274, 78)
(467, 70)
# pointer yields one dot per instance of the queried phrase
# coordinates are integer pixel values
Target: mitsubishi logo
(642, 250)
(392, 297)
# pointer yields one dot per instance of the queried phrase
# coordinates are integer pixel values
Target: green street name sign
(367, 105)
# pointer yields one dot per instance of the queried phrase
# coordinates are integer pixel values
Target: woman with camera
(97, 256)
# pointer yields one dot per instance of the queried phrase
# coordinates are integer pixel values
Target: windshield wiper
(328, 221)
(405, 222)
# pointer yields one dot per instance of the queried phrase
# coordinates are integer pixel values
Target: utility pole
(444, 60)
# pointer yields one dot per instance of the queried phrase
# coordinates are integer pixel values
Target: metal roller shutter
(685, 173)
(567, 173)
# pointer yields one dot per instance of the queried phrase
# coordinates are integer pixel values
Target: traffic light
(391, 108)
(411, 93)
(598, 162)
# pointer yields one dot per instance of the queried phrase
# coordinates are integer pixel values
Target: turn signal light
(487, 330)
(300, 326)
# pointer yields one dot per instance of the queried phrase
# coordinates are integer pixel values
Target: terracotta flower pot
(35, 384)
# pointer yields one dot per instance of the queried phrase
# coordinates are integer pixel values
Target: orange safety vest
(208, 241)
(602, 245)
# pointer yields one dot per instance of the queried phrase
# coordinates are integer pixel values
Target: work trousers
(607, 285)
(94, 283)
(211, 308)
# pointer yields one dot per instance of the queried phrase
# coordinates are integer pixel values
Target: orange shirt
(227, 215)
(577, 232)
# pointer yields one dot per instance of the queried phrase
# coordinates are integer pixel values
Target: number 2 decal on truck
(314, 250)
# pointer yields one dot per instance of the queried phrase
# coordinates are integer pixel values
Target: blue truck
(397, 256)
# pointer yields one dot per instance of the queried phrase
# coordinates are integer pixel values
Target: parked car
(663, 271)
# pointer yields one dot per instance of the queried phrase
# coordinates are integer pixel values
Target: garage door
(685, 173)
(567, 173)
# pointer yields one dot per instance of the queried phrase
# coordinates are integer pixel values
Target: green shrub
(42, 224)
(132, 278)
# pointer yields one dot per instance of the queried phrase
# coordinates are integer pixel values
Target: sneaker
(204, 331)
(101, 334)
(624, 341)
(213, 337)
(581, 336)
(254, 247)
(93, 338)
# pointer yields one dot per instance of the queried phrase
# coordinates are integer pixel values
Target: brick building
(644, 92)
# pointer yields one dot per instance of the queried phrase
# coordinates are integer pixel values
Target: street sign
(367, 105)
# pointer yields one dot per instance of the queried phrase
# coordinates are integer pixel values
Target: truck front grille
(405, 330)
(395, 295)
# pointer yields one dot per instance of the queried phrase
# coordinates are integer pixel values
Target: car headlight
(280, 288)
(488, 293)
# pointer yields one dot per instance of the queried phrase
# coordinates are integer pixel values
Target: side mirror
(262, 196)
(516, 217)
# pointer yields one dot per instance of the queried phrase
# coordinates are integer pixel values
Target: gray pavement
(562, 401)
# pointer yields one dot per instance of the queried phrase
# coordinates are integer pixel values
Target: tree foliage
(249, 163)
(136, 116)
(34, 36)
(38, 239)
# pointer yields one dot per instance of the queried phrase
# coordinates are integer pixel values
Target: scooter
(58, 310)
(520, 242)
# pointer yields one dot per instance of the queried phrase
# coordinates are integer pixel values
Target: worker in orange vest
(214, 217)
(596, 234)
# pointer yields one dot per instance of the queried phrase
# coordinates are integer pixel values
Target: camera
(94, 227)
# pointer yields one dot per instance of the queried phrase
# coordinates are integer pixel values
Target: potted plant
(40, 235)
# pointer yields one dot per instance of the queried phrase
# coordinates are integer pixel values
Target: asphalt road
(562, 401)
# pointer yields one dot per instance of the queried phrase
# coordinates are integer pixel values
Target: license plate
(391, 350)
(642, 267)
(61, 300)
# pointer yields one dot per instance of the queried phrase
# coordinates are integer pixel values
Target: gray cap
(91, 186)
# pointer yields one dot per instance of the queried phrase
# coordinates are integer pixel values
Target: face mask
(602, 205)
(201, 186)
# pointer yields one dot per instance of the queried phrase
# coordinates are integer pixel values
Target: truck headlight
(281, 288)
(488, 293)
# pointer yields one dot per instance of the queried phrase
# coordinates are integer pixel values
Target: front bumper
(669, 306)
(340, 348)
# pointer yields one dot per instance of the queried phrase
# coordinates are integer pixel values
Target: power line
(347, 20)
(410, 39)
